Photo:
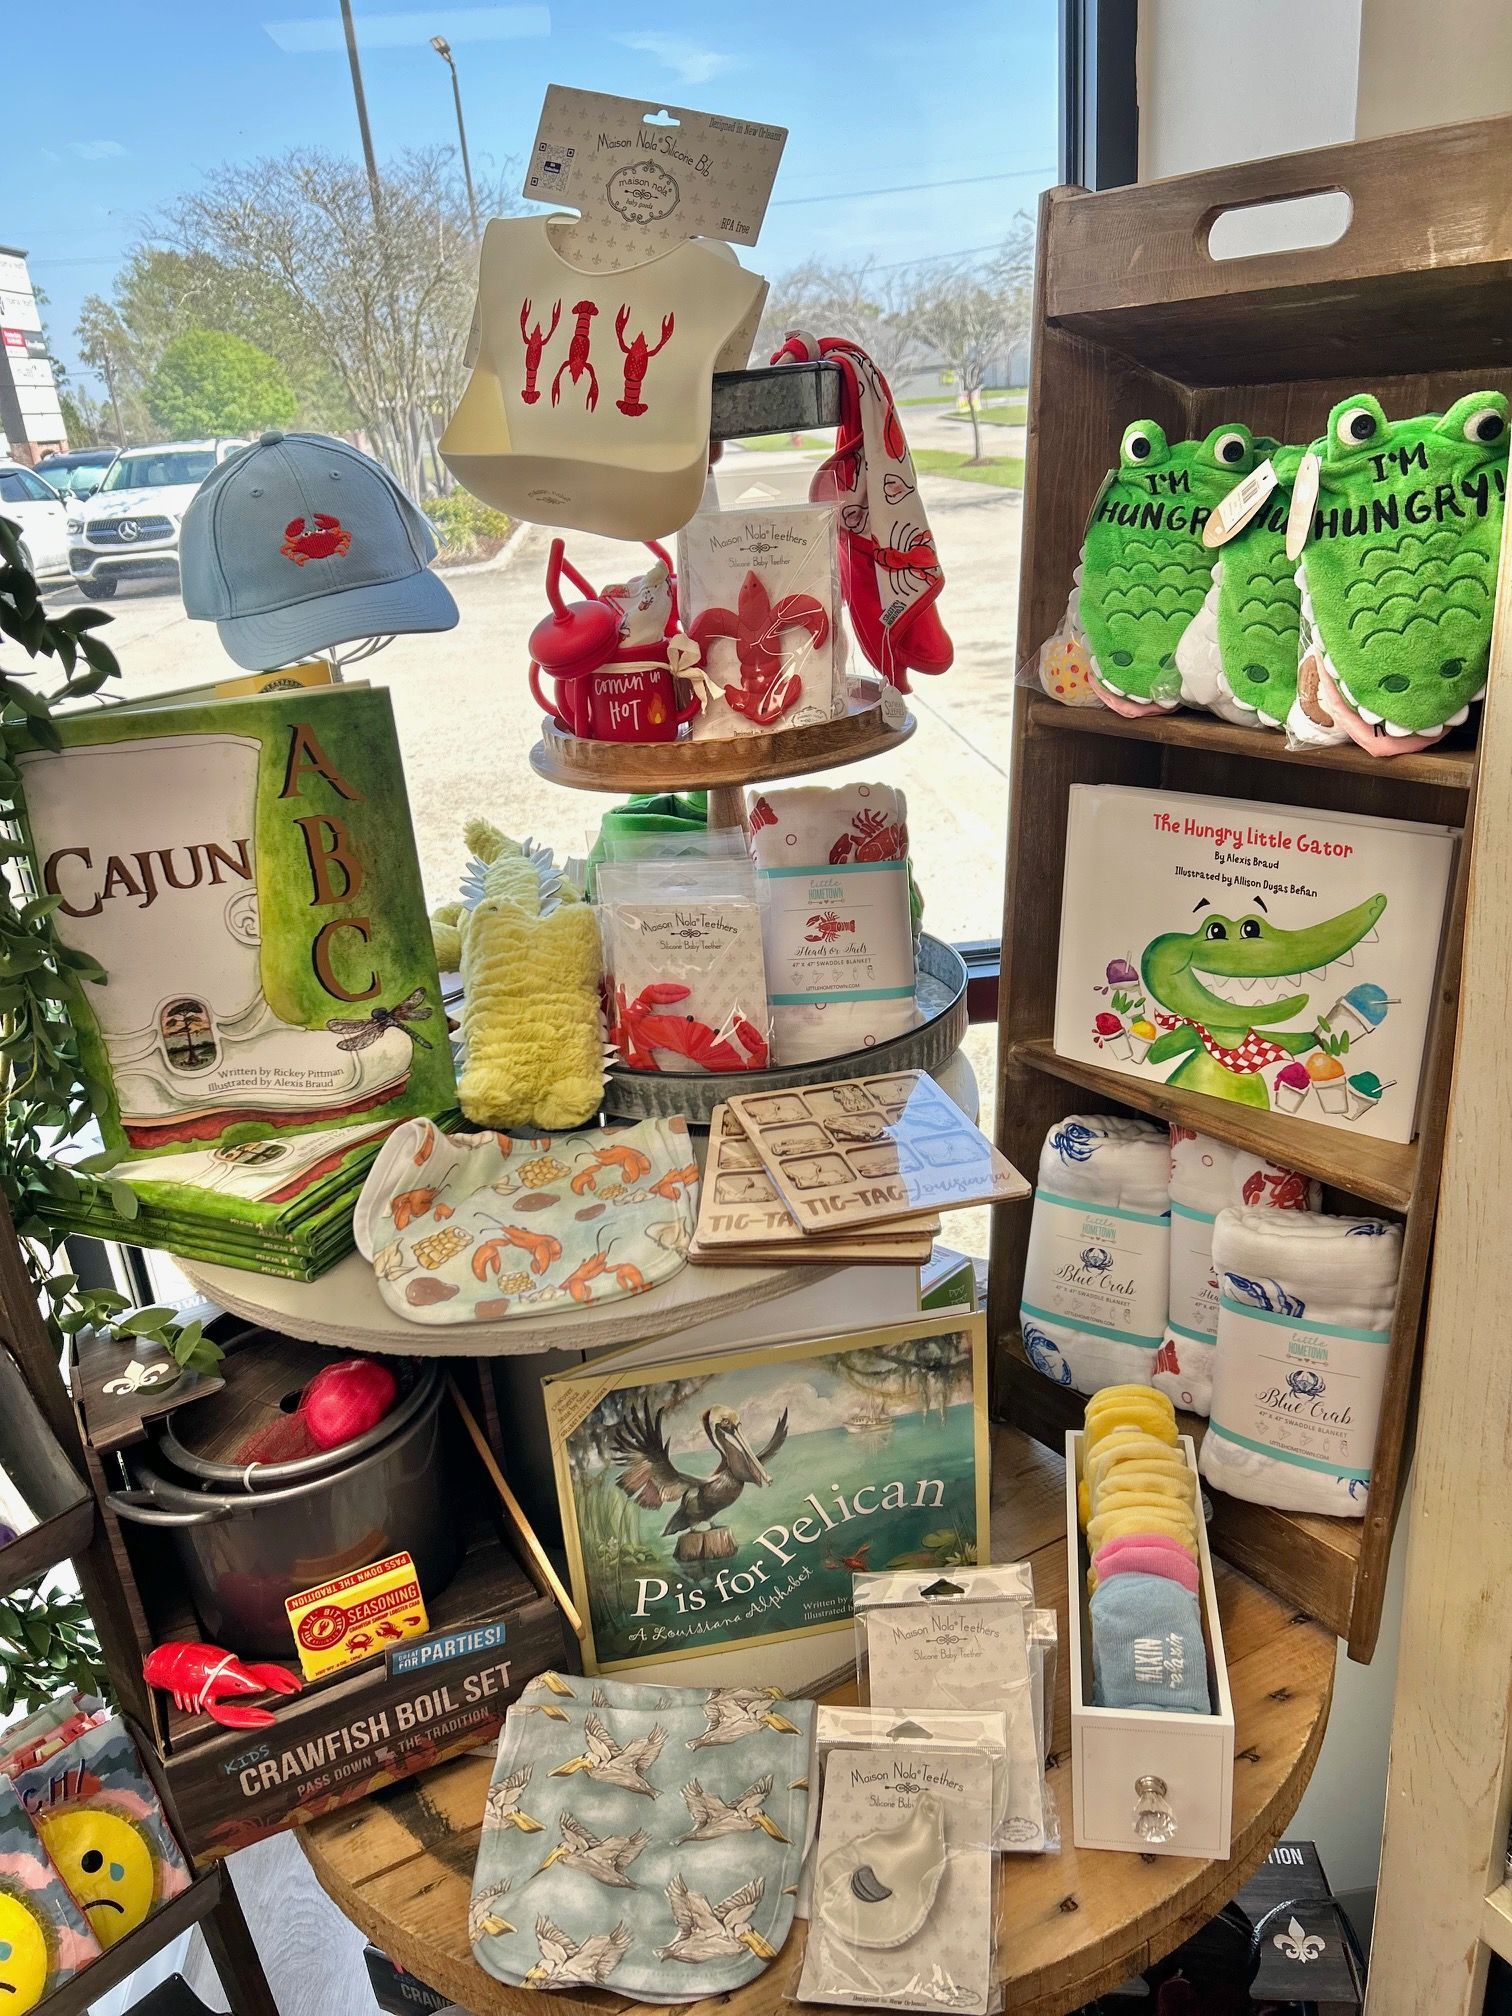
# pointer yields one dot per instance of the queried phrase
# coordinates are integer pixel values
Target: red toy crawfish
(637, 356)
(201, 1677)
(535, 341)
(638, 1028)
(576, 364)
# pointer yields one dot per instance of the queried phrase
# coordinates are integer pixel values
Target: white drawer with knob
(1143, 1779)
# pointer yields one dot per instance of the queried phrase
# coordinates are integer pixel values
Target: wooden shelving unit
(1133, 319)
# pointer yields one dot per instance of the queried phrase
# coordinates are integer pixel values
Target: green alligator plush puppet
(1398, 576)
(1144, 570)
(1238, 656)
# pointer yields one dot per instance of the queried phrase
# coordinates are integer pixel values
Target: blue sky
(879, 97)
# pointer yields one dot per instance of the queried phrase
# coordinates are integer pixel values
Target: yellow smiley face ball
(23, 1955)
(105, 1862)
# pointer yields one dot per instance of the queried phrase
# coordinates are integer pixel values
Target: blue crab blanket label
(1277, 957)
(713, 1501)
(1299, 1393)
(645, 1840)
(238, 892)
(1100, 1268)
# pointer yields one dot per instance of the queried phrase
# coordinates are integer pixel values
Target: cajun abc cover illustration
(720, 1500)
(1266, 954)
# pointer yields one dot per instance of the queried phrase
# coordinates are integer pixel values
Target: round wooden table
(1074, 1925)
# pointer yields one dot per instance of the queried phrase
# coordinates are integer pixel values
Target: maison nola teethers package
(760, 599)
(963, 1640)
(902, 1911)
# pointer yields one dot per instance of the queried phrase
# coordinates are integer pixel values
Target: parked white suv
(130, 526)
(37, 508)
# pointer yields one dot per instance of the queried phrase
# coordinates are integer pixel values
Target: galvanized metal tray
(648, 1095)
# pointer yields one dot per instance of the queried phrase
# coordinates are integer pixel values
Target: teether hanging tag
(1240, 505)
(1304, 500)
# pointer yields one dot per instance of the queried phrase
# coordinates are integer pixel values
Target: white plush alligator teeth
(1266, 720)
(1455, 720)
(1477, 696)
(1370, 720)
(1401, 733)
(1104, 680)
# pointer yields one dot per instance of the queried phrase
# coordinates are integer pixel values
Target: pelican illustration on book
(713, 1817)
(502, 1806)
(608, 1763)
(604, 1858)
(708, 1931)
(564, 1963)
(652, 1479)
(733, 1713)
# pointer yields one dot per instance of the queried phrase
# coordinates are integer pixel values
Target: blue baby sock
(1147, 1649)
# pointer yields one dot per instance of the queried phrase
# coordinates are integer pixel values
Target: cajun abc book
(1278, 957)
(715, 1501)
(244, 873)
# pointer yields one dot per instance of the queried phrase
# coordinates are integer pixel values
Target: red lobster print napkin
(890, 575)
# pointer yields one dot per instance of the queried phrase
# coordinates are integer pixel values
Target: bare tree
(389, 317)
(973, 316)
(867, 304)
(105, 347)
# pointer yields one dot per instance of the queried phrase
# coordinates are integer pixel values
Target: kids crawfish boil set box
(573, 1301)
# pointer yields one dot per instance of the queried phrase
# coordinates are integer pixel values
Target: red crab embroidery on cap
(326, 539)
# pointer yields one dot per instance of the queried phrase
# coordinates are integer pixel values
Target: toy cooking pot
(613, 656)
(250, 1535)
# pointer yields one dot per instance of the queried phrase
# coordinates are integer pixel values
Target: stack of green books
(244, 873)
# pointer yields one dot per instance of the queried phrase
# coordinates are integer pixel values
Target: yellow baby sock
(1125, 1522)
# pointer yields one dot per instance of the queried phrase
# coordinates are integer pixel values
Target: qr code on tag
(551, 169)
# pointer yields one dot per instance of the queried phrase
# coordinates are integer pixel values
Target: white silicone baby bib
(588, 404)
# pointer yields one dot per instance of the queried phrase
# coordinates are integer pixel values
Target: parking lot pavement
(466, 721)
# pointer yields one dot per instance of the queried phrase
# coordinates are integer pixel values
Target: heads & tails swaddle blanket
(646, 1840)
(1096, 1278)
(1304, 1330)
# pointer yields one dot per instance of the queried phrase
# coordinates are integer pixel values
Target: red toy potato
(346, 1399)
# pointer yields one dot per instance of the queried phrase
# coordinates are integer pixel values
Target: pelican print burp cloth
(588, 404)
(642, 1839)
(1144, 569)
(1209, 1176)
(1398, 575)
(44, 1937)
(470, 1228)
(902, 1912)
(1304, 1331)
(961, 1641)
(1097, 1275)
(104, 1829)
(1238, 656)
(839, 929)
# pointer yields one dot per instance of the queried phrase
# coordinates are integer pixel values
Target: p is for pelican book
(1279, 957)
(720, 1500)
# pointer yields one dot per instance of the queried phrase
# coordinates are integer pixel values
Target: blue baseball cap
(300, 542)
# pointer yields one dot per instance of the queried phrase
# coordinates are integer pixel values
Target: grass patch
(947, 394)
(1012, 413)
(1003, 472)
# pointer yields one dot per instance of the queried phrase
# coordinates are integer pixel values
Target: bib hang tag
(1240, 505)
(1304, 501)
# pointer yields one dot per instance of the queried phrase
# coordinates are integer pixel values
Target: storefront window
(201, 292)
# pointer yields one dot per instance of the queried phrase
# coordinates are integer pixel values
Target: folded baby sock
(1209, 1176)
(1127, 1523)
(1096, 1278)
(1155, 1422)
(1144, 1554)
(1304, 1325)
(1147, 1649)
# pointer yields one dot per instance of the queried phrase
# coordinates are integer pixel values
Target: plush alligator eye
(1215, 930)
(1250, 928)
(1230, 448)
(1138, 447)
(1355, 424)
(1485, 425)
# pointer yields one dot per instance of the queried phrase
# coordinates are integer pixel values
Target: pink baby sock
(1147, 1554)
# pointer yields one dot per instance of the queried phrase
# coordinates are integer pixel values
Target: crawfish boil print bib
(588, 405)
(472, 1228)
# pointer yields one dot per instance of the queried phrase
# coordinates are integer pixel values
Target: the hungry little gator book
(720, 1500)
(1281, 958)
(244, 871)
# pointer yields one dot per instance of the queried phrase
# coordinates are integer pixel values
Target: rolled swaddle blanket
(1304, 1328)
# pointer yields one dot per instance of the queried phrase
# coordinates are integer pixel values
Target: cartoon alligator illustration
(1228, 985)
